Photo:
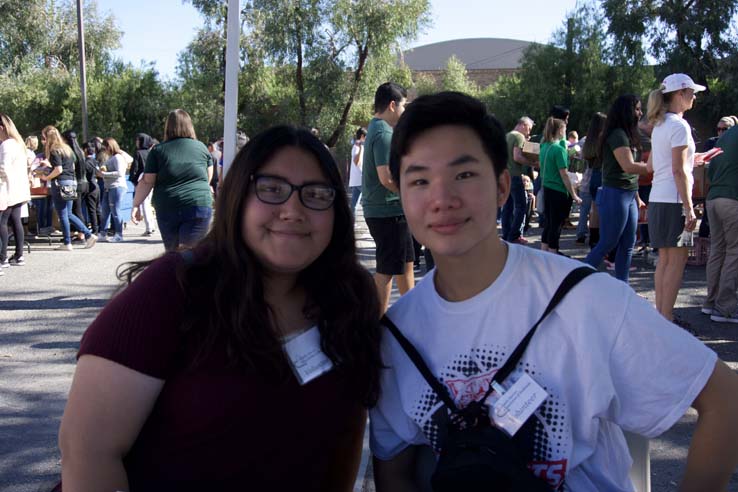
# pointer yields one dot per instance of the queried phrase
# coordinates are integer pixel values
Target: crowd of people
(272, 342)
(87, 185)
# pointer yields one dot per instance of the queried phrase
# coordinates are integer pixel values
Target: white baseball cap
(679, 81)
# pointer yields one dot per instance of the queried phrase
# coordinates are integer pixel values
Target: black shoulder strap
(572, 279)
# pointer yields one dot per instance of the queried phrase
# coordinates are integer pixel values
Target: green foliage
(577, 70)
(43, 33)
(695, 37)
(455, 78)
(425, 84)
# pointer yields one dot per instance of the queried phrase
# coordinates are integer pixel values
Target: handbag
(475, 455)
(67, 192)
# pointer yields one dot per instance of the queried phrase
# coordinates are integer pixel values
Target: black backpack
(475, 455)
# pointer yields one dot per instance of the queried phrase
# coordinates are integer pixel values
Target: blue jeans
(584, 208)
(618, 222)
(355, 194)
(64, 210)
(112, 207)
(43, 212)
(513, 212)
(185, 226)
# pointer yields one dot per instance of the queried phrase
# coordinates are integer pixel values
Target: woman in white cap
(670, 210)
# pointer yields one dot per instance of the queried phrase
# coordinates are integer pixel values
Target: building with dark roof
(486, 59)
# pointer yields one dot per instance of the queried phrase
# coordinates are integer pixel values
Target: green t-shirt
(515, 139)
(612, 174)
(181, 168)
(377, 200)
(723, 169)
(554, 158)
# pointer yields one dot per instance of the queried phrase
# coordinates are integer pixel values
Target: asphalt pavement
(46, 305)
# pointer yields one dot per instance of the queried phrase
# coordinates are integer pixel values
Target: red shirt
(219, 427)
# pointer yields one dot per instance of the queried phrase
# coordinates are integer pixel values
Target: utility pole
(82, 68)
(233, 38)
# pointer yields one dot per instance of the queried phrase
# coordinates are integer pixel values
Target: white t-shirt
(673, 132)
(355, 173)
(606, 358)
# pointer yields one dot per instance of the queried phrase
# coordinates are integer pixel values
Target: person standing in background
(143, 145)
(671, 213)
(514, 210)
(15, 189)
(722, 209)
(357, 158)
(380, 197)
(179, 170)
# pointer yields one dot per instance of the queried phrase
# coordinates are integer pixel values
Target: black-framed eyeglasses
(721, 129)
(275, 190)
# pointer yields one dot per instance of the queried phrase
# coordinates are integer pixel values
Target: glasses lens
(720, 129)
(272, 190)
(318, 197)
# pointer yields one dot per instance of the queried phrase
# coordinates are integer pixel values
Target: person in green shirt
(618, 201)
(179, 170)
(380, 197)
(513, 212)
(558, 192)
(722, 210)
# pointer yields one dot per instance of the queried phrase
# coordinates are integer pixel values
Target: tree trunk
(299, 78)
(358, 74)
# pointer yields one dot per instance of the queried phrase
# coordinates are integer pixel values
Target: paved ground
(46, 305)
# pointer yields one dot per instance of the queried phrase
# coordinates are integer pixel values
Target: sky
(157, 30)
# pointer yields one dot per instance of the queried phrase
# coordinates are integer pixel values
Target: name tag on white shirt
(306, 358)
(510, 411)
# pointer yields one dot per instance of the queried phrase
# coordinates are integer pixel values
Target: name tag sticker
(306, 358)
(517, 404)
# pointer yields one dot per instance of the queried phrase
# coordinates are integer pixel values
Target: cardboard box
(532, 150)
(701, 183)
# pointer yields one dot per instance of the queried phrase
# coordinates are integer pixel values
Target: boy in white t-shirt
(357, 158)
(607, 360)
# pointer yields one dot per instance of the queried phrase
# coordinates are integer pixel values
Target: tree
(455, 78)
(317, 52)
(578, 69)
(697, 37)
(37, 33)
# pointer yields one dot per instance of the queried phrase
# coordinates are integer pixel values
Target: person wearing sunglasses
(724, 124)
(245, 362)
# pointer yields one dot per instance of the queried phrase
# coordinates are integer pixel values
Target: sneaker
(148, 233)
(90, 241)
(706, 310)
(64, 247)
(115, 239)
(521, 240)
(2, 273)
(4, 264)
(719, 318)
(20, 261)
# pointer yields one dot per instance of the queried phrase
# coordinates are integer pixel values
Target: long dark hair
(590, 151)
(79, 156)
(622, 115)
(224, 289)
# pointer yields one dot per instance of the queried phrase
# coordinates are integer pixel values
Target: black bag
(82, 187)
(475, 455)
(67, 192)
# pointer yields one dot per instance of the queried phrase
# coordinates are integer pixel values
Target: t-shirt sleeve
(679, 134)
(381, 148)
(519, 140)
(618, 138)
(657, 370)
(139, 327)
(391, 428)
(152, 162)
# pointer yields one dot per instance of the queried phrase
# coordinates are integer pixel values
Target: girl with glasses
(245, 362)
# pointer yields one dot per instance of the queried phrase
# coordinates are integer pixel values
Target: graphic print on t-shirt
(543, 440)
